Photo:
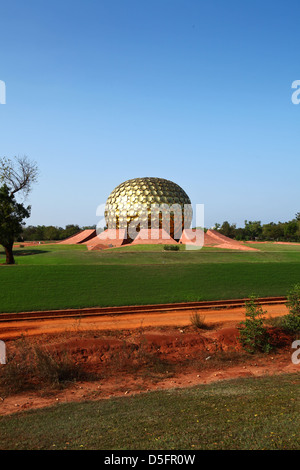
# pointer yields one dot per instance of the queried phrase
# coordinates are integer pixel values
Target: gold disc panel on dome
(150, 203)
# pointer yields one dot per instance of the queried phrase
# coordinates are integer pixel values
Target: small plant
(291, 321)
(253, 335)
(171, 247)
(198, 321)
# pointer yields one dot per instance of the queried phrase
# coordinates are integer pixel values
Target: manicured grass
(256, 413)
(69, 276)
(24, 288)
(142, 254)
(274, 247)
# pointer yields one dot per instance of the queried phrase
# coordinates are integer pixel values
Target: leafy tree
(16, 176)
(273, 231)
(240, 233)
(227, 229)
(12, 215)
(291, 230)
(70, 230)
(51, 233)
(253, 229)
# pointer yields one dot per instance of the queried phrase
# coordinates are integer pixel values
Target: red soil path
(18, 328)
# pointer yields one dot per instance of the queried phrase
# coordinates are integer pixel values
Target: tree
(273, 231)
(51, 233)
(253, 229)
(12, 215)
(291, 230)
(16, 176)
(70, 230)
(227, 229)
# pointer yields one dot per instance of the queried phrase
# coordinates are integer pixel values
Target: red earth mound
(78, 238)
(115, 238)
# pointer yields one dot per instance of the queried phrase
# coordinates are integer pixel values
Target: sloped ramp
(110, 238)
(80, 237)
(211, 238)
(221, 241)
(153, 237)
(192, 237)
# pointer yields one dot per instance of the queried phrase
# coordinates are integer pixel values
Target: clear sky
(198, 92)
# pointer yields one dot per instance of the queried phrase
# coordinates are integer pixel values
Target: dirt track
(15, 329)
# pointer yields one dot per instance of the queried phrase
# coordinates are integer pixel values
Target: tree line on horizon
(255, 230)
(49, 232)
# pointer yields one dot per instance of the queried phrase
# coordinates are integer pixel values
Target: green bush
(291, 321)
(253, 335)
(293, 300)
(171, 247)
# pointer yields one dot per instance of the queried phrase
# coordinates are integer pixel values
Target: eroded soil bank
(131, 361)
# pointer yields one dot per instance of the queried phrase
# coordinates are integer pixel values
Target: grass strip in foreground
(256, 413)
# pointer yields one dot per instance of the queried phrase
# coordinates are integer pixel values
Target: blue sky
(198, 92)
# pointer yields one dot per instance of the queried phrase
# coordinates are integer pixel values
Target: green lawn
(149, 254)
(62, 276)
(256, 413)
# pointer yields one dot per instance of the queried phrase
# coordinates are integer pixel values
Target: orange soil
(107, 345)
(16, 329)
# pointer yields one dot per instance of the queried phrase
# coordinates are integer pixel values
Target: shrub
(291, 321)
(171, 247)
(31, 368)
(56, 370)
(253, 335)
(293, 300)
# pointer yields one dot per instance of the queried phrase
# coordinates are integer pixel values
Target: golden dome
(149, 203)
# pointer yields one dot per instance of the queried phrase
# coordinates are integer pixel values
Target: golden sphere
(149, 203)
